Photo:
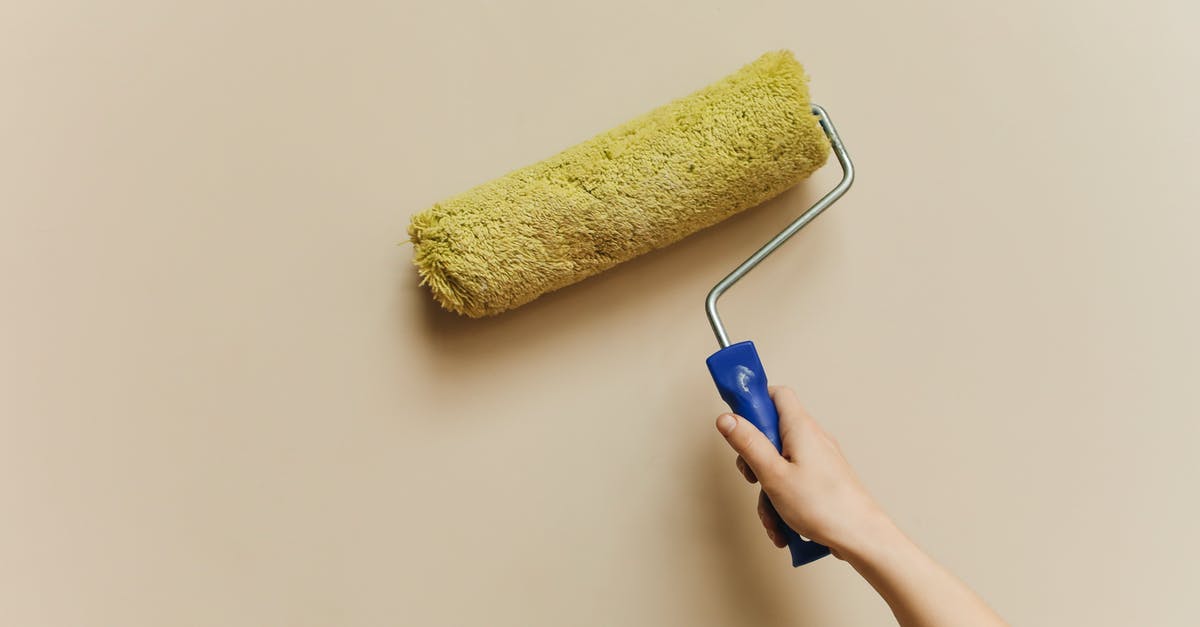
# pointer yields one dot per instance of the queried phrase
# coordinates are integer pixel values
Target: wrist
(873, 536)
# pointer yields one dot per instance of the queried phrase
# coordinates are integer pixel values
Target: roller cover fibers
(640, 186)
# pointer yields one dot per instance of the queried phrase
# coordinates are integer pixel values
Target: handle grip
(742, 383)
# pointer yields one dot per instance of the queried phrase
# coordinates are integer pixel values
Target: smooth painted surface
(224, 401)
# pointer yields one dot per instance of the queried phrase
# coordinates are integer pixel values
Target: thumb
(752, 445)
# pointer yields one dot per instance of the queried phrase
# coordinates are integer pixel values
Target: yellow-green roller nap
(643, 185)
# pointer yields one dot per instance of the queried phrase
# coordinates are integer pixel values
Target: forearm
(920, 591)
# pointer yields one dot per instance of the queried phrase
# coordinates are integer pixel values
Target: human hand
(811, 485)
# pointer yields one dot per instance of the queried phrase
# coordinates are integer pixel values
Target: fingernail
(726, 423)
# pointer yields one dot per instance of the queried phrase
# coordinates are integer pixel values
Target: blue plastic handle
(742, 383)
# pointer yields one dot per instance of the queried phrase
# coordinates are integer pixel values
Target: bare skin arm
(814, 489)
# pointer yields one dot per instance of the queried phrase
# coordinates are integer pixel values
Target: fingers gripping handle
(742, 383)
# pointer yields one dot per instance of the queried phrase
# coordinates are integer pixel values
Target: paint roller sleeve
(640, 186)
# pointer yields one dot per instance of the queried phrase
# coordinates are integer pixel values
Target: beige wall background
(226, 401)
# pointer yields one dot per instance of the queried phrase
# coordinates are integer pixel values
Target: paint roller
(643, 185)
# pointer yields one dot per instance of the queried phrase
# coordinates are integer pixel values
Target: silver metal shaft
(710, 303)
